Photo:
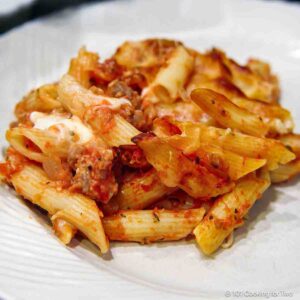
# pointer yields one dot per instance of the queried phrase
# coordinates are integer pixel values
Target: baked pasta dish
(157, 143)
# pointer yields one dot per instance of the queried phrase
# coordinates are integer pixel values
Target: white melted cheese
(113, 103)
(145, 91)
(71, 129)
(280, 126)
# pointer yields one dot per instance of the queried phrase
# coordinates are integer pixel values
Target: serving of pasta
(157, 143)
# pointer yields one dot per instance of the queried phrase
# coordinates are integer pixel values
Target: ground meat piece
(106, 72)
(118, 89)
(133, 114)
(135, 80)
(92, 164)
(132, 156)
(149, 114)
(140, 120)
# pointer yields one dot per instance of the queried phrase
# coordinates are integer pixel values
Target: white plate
(266, 254)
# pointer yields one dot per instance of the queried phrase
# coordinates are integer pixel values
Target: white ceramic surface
(266, 253)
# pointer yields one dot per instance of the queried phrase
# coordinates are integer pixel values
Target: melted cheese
(282, 127)
(114, 103)
(71, 129)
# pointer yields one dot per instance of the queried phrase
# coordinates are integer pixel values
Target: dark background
(37, 9)
(43, 7)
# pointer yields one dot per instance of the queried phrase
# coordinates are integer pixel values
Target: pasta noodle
(175, 169)
(277, 118)
(43, 99)
(141, 191)
(120, 132)
(255, 79)
(158, 142)
(32, 183)
(147, 226)
(292, 141)
(171, 78)
(82, 65)
(228, 114)
(252, 82)
(228, 211)
(236, 166)
(35, 144)
(87, 105)
(291, 169)
(64, 230)
(286, 172)
(144, 54)
(249, 146)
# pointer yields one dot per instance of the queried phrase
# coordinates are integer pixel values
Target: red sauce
(142, 137)
(31, 146)
(14, 163)
(228, 86)
(168, 126)
(132, 156)
(102, 194)
(148, 187)
(188, 214)
(106, 72)
(101, 117)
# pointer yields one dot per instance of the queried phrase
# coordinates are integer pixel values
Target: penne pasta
(146, 226)
(121, 133)
(228, 211)
(175, 169)
(36, 144)
(235, 166)
(43, 99)
(228, 114)
(170, 80)
(96, 110)
(116, 132)
(32, 183)
(17, 138)
(286, 172)
(183, 111)
(141, 191)
(253, 84)
(193, 135)
(255, 79)
(144, 54)
(76, 98)
(63, 230)
(81, 66)
(277, 118)
(292, 141)
(209, 65)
